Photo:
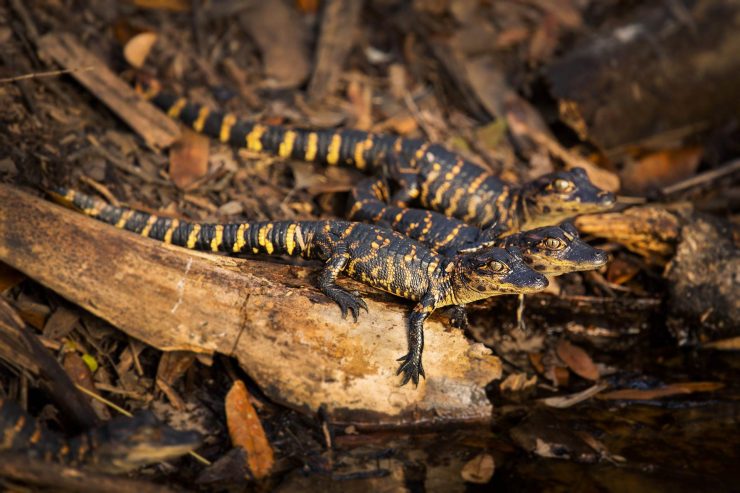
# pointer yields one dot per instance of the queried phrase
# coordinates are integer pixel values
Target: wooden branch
(287, 335)
(151, 124)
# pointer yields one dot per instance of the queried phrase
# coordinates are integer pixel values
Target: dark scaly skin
(375, 256)
(427, 174)
(120, 445)
(551, 250)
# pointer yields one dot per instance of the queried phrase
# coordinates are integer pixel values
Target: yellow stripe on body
(193, 236)
(148, 226)
(359, 155)
(176, 108)
(124, 219)
(312, 146)
(168, 234)
(218, 237)
(201, 120)
(286, 146)
(263, 240)
(332, 155)
(452, 235)
(289, 239)
(253, 138)
(225, 133)
(240, 241)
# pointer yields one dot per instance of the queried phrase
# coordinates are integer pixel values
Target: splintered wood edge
(286, 334)
(151, 124)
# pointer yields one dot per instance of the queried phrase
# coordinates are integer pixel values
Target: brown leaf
(479, 469)
(189, 159)
(731, 344)
(61, 323)
(621, 270)
(667, 391)
(171, 5)
(245, 430)
(360, 95)
(517, 382)
(9, 277)
(138, 47)
(577, 360)
(659, 169)
(80, 374)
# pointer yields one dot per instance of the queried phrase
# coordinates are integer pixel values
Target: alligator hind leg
(327, 283)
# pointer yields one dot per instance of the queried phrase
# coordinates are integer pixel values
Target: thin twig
(50, 73)
(703, 178)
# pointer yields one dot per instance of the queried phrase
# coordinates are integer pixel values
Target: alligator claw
(349, 303)
(411, 369)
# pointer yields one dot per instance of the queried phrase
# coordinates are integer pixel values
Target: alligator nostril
(601, 258)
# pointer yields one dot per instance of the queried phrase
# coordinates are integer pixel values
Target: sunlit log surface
(286, 334)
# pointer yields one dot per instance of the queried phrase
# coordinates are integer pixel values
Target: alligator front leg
(411, 366)
(327, 283)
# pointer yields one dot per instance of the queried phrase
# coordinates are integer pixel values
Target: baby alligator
(120, 445)
(426, 173)
(376, 256)
(551, 250)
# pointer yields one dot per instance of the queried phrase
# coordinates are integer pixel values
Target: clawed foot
(411, 369)
(349, 302)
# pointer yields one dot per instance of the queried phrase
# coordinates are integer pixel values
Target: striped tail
(264, 237)
(352, 148)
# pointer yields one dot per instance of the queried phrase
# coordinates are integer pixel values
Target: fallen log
(286, 334)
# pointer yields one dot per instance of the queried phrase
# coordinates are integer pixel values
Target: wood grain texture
(287, 335)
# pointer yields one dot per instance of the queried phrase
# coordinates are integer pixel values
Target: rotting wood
(288, 336)
(151, 124)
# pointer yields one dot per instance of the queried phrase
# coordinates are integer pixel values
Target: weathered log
(287, 335)
(667, 67)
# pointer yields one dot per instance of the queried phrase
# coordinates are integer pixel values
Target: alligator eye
(562, 185)
(497, 267)
(554, 243)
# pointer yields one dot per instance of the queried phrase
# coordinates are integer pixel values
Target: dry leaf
(9, 277)
(479, 469)
(138, 47)
(61, 323)
(731, 344)
(360, 95)
(667, 391)
(171, 5)
(577, 360)
(245, 430)
(621, 270)
(188, 159)
(659, 169)
(80, 373)
(564, 401)
(518, 381)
